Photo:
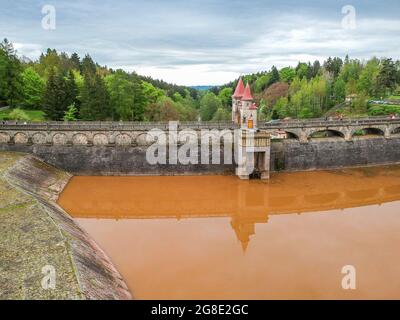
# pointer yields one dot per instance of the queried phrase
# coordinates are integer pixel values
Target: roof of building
(247, 93)
(239, 89)
(253, 106)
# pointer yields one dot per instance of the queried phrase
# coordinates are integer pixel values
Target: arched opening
(291, 135)
(368, 132)
(396, 131)
(326, 134)
(283, 135)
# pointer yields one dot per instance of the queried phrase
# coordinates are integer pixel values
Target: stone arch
(370, 131)
(21, 138)
(4, 137)
(100, 139)
(141, 139)
(123, 139)
(292, 135)
(80, 139)
(326, 133)
(60, 139)
(39, 138)
(395, 130)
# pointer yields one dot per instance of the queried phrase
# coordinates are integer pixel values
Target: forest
(63, 87)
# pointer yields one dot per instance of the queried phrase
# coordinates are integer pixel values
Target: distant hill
(202, 88)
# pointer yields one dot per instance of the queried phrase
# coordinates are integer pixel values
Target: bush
(18, 114)
(382, 110)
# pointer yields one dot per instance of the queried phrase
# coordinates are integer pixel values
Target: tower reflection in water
(247, 203)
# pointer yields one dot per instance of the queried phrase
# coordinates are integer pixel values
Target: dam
(116, 148)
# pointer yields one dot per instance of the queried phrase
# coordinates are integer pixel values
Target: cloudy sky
(203, 42)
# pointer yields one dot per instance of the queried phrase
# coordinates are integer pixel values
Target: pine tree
(72, 90)
(274, 76)
(387, 77)
(50, 99)
(75, 61)
(58, 96)
(88, 67)
(95, 99)
(10, 74)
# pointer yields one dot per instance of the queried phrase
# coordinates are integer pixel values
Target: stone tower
(253, 144)
(244, 110)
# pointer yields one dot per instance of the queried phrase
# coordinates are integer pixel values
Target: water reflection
(246, 203)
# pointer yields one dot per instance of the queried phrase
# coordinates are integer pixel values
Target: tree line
(72, 88)
(68, 87)
(316, 89)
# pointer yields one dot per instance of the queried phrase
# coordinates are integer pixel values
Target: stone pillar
(251, 143)
(388, 133)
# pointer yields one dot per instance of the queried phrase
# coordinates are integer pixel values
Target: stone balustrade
(134, 133)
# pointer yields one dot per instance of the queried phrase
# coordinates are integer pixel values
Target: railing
(110, 126)
(329, 123)
(145, 126)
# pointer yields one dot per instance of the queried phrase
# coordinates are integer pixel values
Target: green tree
(33, 87)
(333, 66)
(287, 74)
(302, 70)
(95, 104)
(10, 74)
(75, 61)
(339, 90)
(387, 77)
(71, 114)
(274, 76)
(316, 69)
(262, 83)
(280, 110)
(225, 96)
(57, 96)
(367, 82)
(209, 104)
(126, 96)
(88, 67)
(222, 115)
(151, 93)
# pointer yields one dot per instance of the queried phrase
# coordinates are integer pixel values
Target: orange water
(216, 237)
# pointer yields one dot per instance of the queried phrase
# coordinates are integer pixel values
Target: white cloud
(204, 42)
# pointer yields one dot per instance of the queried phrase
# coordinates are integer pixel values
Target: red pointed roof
(247, 93)
(239, 89)
(253, 107)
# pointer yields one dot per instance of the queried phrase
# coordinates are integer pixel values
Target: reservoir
(217, 237)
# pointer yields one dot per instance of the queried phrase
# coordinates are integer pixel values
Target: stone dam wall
(331, 153)
(286, 155)
(120, 148)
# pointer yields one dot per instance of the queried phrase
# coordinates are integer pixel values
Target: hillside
(66, 87)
